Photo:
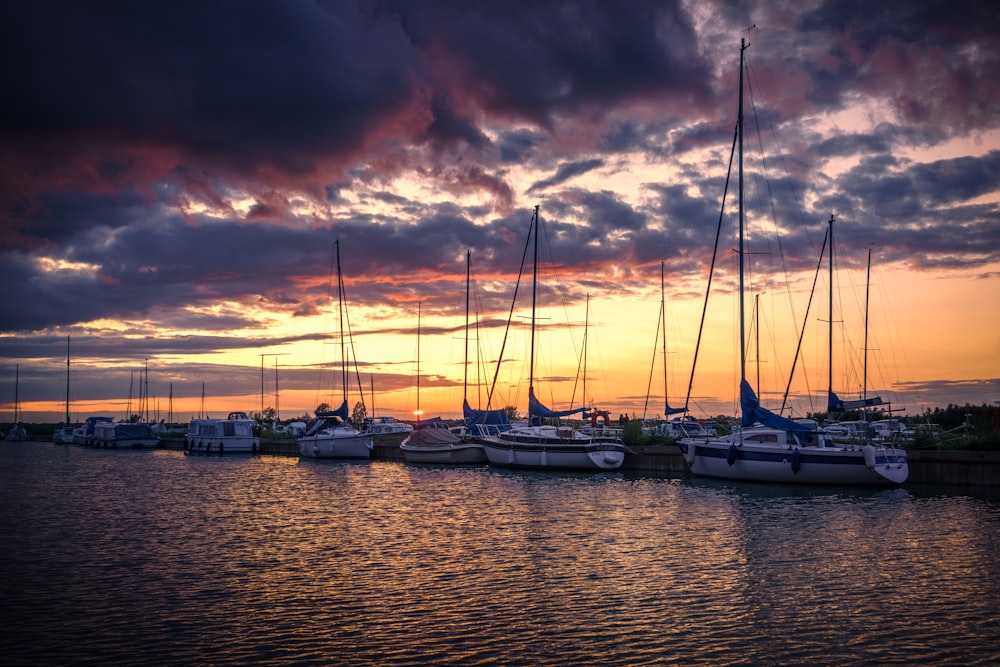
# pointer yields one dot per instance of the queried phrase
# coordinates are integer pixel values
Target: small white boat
(232, 435)
(63, 435)
(330, 437)
(437, 444)
(383, 425)
(124, 436)
(676, 428)
(17, 432)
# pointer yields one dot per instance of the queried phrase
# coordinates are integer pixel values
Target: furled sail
(753, 412)
(835, 404)
(536, 409)
(494, 417)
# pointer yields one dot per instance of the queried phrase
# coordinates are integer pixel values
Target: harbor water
(157, 558)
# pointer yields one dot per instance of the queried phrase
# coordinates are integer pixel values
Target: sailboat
(681, 424)
(860, 430)
(475, 419)
(330, 435)
(431, 441)
(64, 434)
(17, 432)
(540, 445)
(770, 448)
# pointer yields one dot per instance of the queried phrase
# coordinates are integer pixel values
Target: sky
(174, 177)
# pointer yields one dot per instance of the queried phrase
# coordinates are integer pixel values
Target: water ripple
(128, 558)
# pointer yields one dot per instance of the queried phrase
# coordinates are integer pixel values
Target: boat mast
(864, 394)
(534, 295)
(829, 344)
(756, 333)
(586, 330)
(67, 380)
(739, 125)
(340, 315)
(465, 377)
(17, 395)
(418, 412)
(663, 321)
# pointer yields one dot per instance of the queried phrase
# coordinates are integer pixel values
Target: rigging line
(350, 337)
(796, 197)
(798, 347)
(652, 364)
(711, 271)
(510, 316)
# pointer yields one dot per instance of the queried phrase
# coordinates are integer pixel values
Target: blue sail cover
(339, 412)
(474, 417)
(667, 410)
(752, 412)
(536, 409)
(835, 404)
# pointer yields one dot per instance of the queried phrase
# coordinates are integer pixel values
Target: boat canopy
(753, 412)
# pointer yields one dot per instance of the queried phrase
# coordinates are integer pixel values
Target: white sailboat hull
(322, 446)
(548, 447)
(793, 464)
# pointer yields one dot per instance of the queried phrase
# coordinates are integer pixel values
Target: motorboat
(232, 435)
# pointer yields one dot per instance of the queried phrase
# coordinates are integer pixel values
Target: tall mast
(340, 315)
(864, 394)
(465, 377)
(277, 405)
(67, 380)
(739, 125)
(586, 330)
(534, 295)
(663, 318)
(419, 413)
(829, 344)
(756, 333)
(17, 395)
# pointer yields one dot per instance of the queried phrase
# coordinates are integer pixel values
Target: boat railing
(486, 430)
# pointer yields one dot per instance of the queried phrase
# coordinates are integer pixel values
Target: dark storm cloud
(171, 165)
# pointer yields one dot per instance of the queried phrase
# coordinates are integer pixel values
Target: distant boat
(770, 448)
(63, 435)
(330, 435)
(124, 435)
(232, 435)
(386, 425)
(540, 445)
(17, 432)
